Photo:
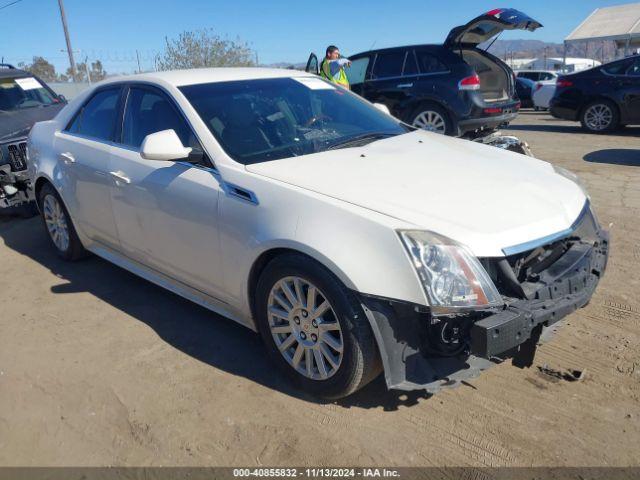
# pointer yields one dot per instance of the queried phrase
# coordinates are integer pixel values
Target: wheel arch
(275, 251)
(40, 182)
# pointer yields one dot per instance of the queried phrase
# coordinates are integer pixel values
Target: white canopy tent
(620, 23)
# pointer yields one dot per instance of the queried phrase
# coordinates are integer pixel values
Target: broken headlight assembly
(451, 276)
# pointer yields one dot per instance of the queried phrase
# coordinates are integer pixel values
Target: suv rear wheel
(431, 117)
(314, 329)
(600, 116)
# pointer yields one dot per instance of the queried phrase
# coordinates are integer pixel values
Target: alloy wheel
(430, 121)
(56, 221)
(598, 117)
(305, 328)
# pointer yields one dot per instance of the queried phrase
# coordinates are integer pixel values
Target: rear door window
(617, 68)
(634, 70)
(97, 119)
(410, 64)
(428, 63)
(388, 64)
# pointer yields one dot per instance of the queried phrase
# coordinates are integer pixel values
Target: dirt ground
(99, 367)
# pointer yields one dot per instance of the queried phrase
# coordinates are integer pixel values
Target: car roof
(430, 46)
(179, 78)
(12, 72)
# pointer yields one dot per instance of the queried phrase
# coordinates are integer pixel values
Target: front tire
(314, 328)
(59, 226)
(600, 116)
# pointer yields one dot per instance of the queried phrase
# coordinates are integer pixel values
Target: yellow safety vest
(339, 78)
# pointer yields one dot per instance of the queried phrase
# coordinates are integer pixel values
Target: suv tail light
(564, 83)
(538, 86)
(495, 12)
(470, 83)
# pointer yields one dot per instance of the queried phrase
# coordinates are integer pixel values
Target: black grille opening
(17, 156)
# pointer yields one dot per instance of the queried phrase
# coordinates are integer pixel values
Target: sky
(278, 30)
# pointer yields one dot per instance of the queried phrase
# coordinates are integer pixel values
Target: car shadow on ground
(192, 329)
(551, 126)
(615, 156)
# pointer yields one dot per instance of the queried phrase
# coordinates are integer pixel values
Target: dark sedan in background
(602, 98)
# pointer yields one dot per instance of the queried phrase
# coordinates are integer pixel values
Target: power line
(9, 4)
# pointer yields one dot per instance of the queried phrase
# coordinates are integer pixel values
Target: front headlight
(569, 175)
(451, 276)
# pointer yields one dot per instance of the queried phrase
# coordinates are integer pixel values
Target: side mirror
(382, 107)
(164, 145)
(62, 98)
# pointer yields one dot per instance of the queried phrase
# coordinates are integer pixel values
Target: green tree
(203, 48)
(96, 71)
(43, 69)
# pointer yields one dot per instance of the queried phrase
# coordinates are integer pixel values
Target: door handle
(405, 85)
(120, 177)
(67, 158)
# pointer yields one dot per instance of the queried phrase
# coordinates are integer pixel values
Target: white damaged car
(353, 243)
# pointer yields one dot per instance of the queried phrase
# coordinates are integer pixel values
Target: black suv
(601, 98)
(455, 88)
(24, 100)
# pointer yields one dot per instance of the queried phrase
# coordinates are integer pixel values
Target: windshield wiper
(360, 139)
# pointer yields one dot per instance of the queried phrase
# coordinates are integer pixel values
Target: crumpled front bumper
(512, 332)
(15, 185)
(511, 327)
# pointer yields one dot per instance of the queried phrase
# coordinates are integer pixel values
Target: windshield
(261, 120)
(26, 92)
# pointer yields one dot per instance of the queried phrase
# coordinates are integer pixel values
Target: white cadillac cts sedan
(353, 243)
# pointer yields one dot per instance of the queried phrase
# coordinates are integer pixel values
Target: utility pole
(138, 58)
(86, 69)
(68, 40)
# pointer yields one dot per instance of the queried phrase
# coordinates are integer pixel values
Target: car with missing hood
(455, 88)
(353, 243)
(24, 100)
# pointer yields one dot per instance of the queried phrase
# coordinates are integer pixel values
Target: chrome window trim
(408, 76)
(87, 137)
(530, 245)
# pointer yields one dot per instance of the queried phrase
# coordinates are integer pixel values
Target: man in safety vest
(332, 67)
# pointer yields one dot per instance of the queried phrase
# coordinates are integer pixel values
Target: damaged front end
(539, 283)
(15, 185)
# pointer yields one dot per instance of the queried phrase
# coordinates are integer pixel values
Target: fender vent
(241, 193)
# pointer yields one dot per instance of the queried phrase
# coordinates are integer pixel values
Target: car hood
(17, 124)
(480, 196)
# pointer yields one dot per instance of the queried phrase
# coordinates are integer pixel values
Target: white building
(553, 63)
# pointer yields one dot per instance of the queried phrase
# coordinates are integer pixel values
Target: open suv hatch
(455, 88)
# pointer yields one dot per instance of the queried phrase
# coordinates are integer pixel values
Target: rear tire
(330, 355)
(433, 118)
(600, 116)
(57, 222)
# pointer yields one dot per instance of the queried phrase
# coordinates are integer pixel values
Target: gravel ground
(99, 367)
